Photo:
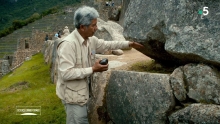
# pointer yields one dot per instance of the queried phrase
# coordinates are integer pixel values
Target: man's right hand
(98, 67)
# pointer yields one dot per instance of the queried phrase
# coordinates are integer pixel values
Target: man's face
(91, 29)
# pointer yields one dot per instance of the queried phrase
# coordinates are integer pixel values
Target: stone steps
(6, 50)
(4, 46)
(5, 53)
(50, 23)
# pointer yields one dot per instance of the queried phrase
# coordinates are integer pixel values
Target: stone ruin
(4, 67)
(26, 47)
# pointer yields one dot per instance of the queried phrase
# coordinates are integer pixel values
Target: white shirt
(86, 51)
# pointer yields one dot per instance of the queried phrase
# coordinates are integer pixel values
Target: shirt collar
(81, 39)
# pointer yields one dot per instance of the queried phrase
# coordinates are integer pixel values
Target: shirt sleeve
(67, 63)
(102, 45)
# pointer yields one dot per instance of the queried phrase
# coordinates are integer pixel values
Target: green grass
(40, 91)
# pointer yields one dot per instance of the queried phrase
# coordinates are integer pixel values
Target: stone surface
(50, 56)
(137, 98)
(27, 58)
(125, 4)
(102, 32)
(114, 13)
(196, 114)
(48, 50)
(118, 2)
(196, 81)
(97, 113)
(192, 45)
(110, 31)
(129, 58)
(178, 84)
(97, 110)
(4, 67)
(117, 52)
(104, 10)
(114, 64)
(54, 62)
(9, 58)
(203, 83)
(174, 31)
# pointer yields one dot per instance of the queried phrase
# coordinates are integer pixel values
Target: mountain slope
(22, 9)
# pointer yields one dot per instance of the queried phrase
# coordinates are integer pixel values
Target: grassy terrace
(30, 85)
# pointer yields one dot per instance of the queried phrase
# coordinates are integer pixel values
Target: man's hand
(136, 45)
(98, 67)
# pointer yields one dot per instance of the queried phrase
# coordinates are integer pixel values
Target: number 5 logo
(205, 11)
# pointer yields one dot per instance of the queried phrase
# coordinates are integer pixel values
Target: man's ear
(82, 27)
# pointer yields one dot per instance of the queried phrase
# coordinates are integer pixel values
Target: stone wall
(172, 31)
(116, 2)
(4, 67)
(26, 47)
(107, 12)
(123, 10)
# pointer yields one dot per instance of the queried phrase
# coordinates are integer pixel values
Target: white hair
(84, 16)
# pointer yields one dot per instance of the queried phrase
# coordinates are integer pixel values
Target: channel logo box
(28, 110)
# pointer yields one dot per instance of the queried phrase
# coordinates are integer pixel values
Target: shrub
(18, 24)
(34, 17)
(50, 11)
(6, 31)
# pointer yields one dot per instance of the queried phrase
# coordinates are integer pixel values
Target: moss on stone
(102, 110)
(152, 66)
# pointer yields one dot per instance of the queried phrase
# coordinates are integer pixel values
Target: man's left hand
(136, 45)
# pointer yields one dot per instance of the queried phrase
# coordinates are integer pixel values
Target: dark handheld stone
(104, 61)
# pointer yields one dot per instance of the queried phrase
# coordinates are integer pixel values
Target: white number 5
(205, 11)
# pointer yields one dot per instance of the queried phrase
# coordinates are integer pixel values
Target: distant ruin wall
(26, 47)
(4, 67)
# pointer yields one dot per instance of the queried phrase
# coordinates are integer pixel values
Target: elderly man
(76, 63)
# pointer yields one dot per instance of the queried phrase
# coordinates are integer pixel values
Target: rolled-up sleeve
(102, 45)
(67, 63)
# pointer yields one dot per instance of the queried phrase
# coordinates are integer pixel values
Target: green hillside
(30, 85)
(50, 23)
(23, 9)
